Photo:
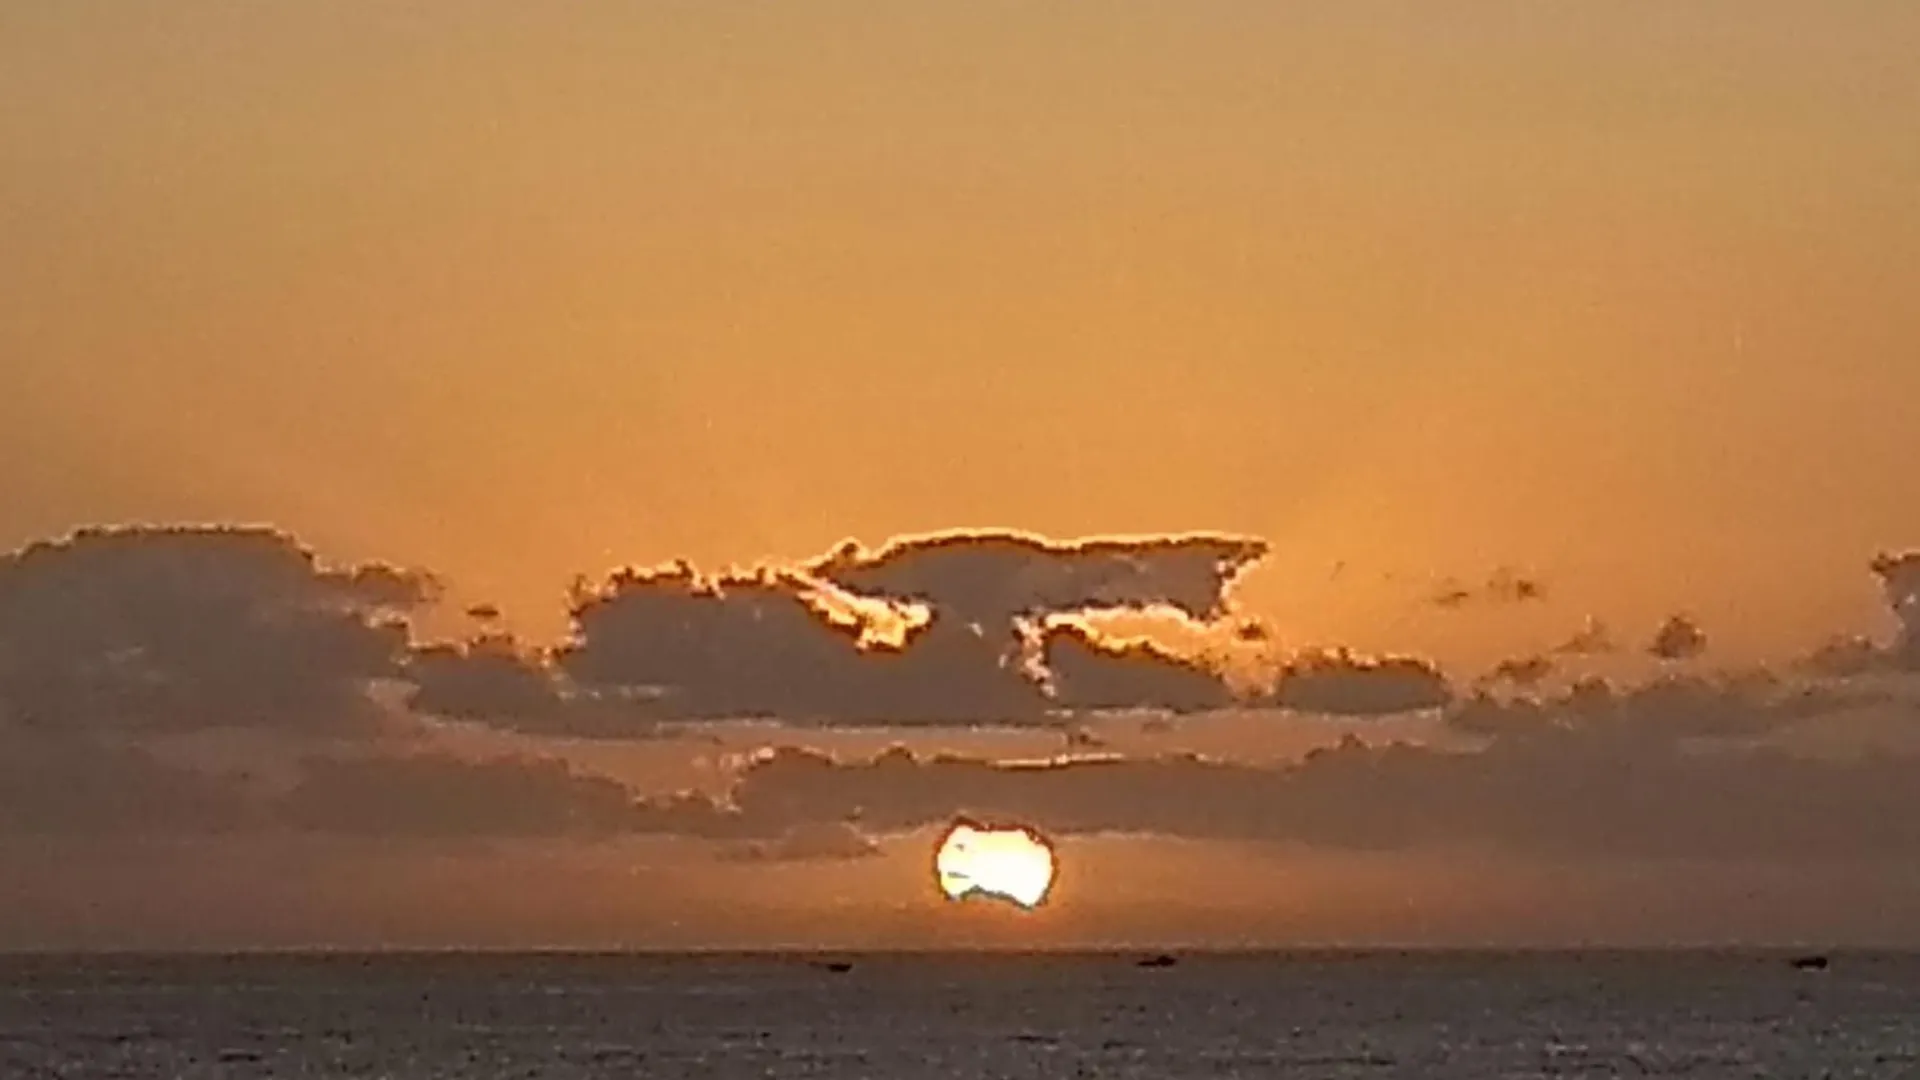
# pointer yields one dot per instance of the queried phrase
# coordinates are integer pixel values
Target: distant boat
(1160, 961)
(1810, 963)
(838, 967)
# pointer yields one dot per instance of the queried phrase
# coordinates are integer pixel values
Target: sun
(1014, 864)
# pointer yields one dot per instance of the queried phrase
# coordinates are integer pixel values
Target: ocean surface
(902, 1017)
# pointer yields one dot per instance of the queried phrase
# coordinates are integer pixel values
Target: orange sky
(1620, 295)
(521, 293)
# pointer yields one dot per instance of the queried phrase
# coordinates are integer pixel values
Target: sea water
(903, 1017)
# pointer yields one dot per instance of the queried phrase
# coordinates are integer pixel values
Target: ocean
(903, 1017)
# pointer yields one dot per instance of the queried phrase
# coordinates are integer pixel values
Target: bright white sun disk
(1014, 864)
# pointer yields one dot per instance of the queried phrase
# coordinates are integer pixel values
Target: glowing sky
(1618, 295)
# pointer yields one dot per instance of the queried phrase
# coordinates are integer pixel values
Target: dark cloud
(446, 797)
(1503, 586)
(114, 637)
(1482, 714)
(158, 630)
(1900, 580)
(1619, 756)
(82, 786)
(1079, 739)
(180, 629)
(496, 681)
(1089, 673)
(989, 579)
(764, 646)
(66, 785)
(1592, 639)
(813, 841)
(1562, 795)
(380, 585)
(1846, 657)
(948, 629)
(1679, 638)
(490, 680)
(1338, 683)
(1665, 710)
(1510, 587)
(693, 815)
(1521, 670)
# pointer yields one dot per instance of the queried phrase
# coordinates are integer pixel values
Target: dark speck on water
(1431, 1016)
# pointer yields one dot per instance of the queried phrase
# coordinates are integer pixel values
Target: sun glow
(1014, 864)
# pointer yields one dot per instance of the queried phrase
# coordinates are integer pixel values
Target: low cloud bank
(149, 631)
(114, 641)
